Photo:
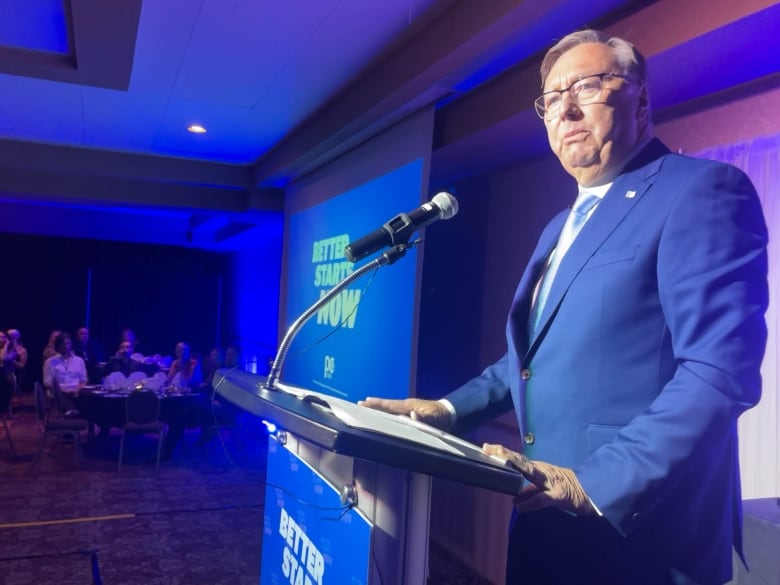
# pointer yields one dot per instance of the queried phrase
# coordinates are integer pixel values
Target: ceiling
(141, 72)
(96, 97)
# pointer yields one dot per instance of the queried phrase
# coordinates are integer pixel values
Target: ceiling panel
(286, 24)
(41, 110)
(227, 76)
(173, 138)
(337, 51)
(164, 35)
(133, 130)
(263, 126)
(236, 57)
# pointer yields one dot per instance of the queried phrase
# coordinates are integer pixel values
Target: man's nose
(568, 105)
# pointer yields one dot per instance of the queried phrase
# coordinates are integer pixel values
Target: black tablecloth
(108, 409)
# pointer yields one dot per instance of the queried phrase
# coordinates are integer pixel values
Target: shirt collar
(598, 191)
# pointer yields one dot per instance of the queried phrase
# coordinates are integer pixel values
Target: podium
(381, 469)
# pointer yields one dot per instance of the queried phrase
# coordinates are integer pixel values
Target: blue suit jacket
(647, 351)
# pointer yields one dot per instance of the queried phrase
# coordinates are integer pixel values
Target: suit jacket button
(525, 374)
(529, 438)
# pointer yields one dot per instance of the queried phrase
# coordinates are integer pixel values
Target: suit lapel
(521, 303)
(627, 189)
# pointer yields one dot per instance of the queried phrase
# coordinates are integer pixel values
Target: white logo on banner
(302, 562)
(330, 268)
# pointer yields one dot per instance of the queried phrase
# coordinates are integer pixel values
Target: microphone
(399, 229)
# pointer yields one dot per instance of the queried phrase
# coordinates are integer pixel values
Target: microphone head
(447, 204)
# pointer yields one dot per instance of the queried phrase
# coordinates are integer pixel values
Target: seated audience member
(128, 335)
(49, 350)
(149, 360)
(88, 350)
(15, 342)
(211, 363)
(8, 357)
(185, 371)
(122, 361)
(222, 411)
(184, 368)
(232, 357)
(67, 369)
(211, 410)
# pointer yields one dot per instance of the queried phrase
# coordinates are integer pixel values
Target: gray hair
(630, 61)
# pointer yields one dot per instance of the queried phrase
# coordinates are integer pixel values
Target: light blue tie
(574, 222)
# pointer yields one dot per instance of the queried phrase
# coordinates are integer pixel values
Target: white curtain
(759, 432)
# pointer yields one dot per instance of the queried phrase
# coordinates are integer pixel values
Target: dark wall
(473, 263)
(165, 294)
(452, 292)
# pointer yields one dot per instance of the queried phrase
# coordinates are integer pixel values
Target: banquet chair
(6, 395)
(14, 391)
(64, 406)
(53, 424)
(142, 417)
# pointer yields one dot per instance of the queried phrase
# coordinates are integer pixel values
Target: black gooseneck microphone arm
(388, 257)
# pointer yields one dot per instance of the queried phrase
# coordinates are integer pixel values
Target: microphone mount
(400, 228)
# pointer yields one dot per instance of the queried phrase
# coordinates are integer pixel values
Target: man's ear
(643, 109)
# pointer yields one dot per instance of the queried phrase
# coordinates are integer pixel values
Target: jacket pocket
(611, 257)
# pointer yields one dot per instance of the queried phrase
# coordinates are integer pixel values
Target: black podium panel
(307, 418)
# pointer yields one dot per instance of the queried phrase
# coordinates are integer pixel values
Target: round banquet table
(106, 409)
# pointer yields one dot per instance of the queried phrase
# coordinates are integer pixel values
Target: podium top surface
(303, 414)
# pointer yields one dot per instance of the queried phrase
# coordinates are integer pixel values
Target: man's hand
(431, 412)
(550, 486)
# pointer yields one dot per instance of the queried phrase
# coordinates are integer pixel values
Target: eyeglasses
(584, 91)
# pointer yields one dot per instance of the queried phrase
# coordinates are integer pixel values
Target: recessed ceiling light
(196, 129)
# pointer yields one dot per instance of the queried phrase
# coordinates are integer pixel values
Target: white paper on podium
(361, 417)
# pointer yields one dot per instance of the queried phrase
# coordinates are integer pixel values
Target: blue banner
(360, 343)
(309, 537)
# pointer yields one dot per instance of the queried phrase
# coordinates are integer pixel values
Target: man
(129, 336)
(64, 368)
(122, 361)
(232, 357)
(633, 345)
(88, 350)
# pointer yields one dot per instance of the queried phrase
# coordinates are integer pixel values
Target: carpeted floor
(195, 521)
